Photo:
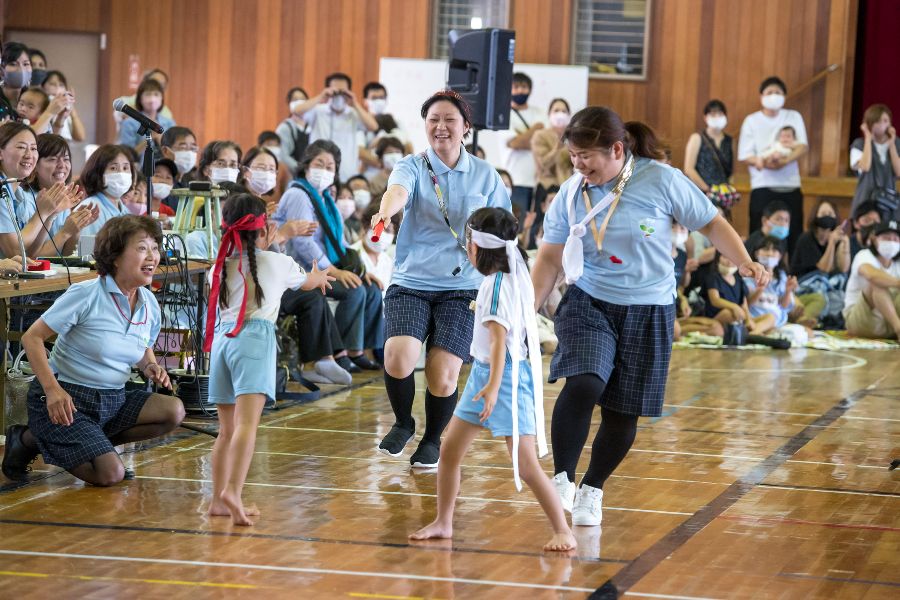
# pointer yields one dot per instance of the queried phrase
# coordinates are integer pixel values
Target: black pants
(761, 197)
(319, 336)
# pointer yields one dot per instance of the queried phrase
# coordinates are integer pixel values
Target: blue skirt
(500, 421)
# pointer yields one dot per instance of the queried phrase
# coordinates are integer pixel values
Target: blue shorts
(244, 364)
(500, 421)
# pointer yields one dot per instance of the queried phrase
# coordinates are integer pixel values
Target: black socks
(438, 412)
(401, 393)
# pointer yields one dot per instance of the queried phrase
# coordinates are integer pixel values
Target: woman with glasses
(220, 162)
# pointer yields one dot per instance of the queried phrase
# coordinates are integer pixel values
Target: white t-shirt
(856, 283)
(341, 129)
(758, 134)
(520, 163)
(495, 302)
(383, 269)
(880, 149)
(276, 273)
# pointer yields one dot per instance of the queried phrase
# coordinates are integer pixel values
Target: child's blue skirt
(500, 421)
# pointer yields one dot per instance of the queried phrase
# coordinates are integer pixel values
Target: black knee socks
(401, 393)
(438, 412)
(572, 421)
(613, 441)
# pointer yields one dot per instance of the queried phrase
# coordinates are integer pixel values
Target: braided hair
(236, 206)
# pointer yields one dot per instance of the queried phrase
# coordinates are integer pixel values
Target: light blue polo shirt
(19, 199)
(97, 345)
(427, 253)
(636, 265)
(28, 207)
(108, 210)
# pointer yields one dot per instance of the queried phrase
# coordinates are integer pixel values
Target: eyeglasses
(181, 147)
(223, 164)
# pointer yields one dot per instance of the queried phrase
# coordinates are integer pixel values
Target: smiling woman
(78, 408)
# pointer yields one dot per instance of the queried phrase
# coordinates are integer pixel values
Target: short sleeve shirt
(495, 303)
(735, 293)
(108, 210)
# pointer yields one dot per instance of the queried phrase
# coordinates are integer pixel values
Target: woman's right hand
(346, 278)
(379, 218)
(79, 219)
(11, 264)
(60, 407)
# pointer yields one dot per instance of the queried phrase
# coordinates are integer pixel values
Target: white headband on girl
(523, 294)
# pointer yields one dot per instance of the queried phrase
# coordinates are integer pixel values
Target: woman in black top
(824, 245)
(708, 157)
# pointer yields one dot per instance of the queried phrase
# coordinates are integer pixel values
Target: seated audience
(259, 172)
(824, 246)
(776, 223)
(149, 100)
(726, 296)
(16, 77)
(108, 175)
(179, 144)
(389, 150)
(865, 218)
(770, 306)
(220, 162)
(270, 141)
(67, 123)
(293, 132)
(872, 302)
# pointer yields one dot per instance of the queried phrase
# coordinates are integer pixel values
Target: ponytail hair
(235, 207)
(601, 127)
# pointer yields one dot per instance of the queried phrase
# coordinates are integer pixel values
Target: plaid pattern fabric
(444, 319)
(628, 347)
(100, 415)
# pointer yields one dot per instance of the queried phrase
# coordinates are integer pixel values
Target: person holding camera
(336, 115)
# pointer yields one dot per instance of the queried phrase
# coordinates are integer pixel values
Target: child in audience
(684, 268)
(771, 305)
(726, 298)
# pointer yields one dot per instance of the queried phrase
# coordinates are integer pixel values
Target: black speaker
(481, 68)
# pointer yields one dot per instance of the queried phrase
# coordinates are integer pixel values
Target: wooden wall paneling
(190, 46)
(837, 128)
(49, 15)
(543, 30)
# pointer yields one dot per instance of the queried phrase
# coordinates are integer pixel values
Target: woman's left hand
(756, 271)
(157, 375)
(372, 280)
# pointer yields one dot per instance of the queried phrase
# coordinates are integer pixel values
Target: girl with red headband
(242, 343)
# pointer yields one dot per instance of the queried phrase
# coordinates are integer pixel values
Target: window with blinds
(610, 37)
(464, 14)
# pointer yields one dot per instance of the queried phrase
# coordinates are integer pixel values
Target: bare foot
(561, 542)
(434, 530)
(235, 508)
(218, 509)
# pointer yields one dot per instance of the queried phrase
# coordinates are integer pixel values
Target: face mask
(362, 198)
(346, 207)
(773, 101)
(161, 190)
(338, 103)
(770, 261)
(377, 106)
(116, 184)
(718, 123)
(320, 178)
(38, 76)
(152, 104)
(295, 105)
(275, 151)
(827, 222)
(390, 159)
(679, 238)
(383, 243)
(560, 119)
(261, 182)
(520, 99)
(219, 175)
(727, 270)
(17, 79)
(880, 129)
(779, 231)
(185, 160)
(888, 249)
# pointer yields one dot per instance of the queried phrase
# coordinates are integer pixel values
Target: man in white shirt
(336, 115)
(524, 121)
(776, 177)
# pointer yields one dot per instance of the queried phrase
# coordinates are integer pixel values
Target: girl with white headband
(504, 392)
(609, 229)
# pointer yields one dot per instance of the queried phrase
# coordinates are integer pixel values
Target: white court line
(666, 596)
(396, 493)
(849, 492)
(311, 570)
(746, 410)
(857, 363)
(34, 497)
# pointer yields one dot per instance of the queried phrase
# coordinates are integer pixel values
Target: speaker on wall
(481, 68)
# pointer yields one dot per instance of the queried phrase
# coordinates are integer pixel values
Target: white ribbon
(523, 294)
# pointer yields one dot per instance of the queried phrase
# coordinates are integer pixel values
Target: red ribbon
(231, 241)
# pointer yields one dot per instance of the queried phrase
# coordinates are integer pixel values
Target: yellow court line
(385, 596)
(236, 586)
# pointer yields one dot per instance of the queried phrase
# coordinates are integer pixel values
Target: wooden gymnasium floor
(766, 477)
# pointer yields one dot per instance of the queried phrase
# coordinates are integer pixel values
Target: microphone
(120, 105)
(376, 233)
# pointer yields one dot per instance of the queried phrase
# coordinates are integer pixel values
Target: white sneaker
(588, 508)
(565, 489)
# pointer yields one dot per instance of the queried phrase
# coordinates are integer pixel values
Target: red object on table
(376, 233)
(42, 265)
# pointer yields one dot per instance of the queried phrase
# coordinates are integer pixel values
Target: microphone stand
(15, 221)
(148, 167)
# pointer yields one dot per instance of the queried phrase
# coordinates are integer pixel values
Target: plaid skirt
(442, 319)
(100, 415)
(628, 347)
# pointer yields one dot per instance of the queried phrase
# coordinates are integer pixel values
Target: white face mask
(727, 270)
(718, 123)
(888, 249)
(320, 178)
(261, 182)
(390, 159)
(296, 104)
(770, 261)
(773, 101)
(346, 207)
(219, 175)
(362, 198)
(377, 106)
(383, 243)
(185, 160)
(560, 119)
(161, 190)
(275, 151)
(679, 238)
(116, 184)
(338, 103)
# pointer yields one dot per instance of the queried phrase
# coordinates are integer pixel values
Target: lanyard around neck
(440, 199)
(624, 177)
